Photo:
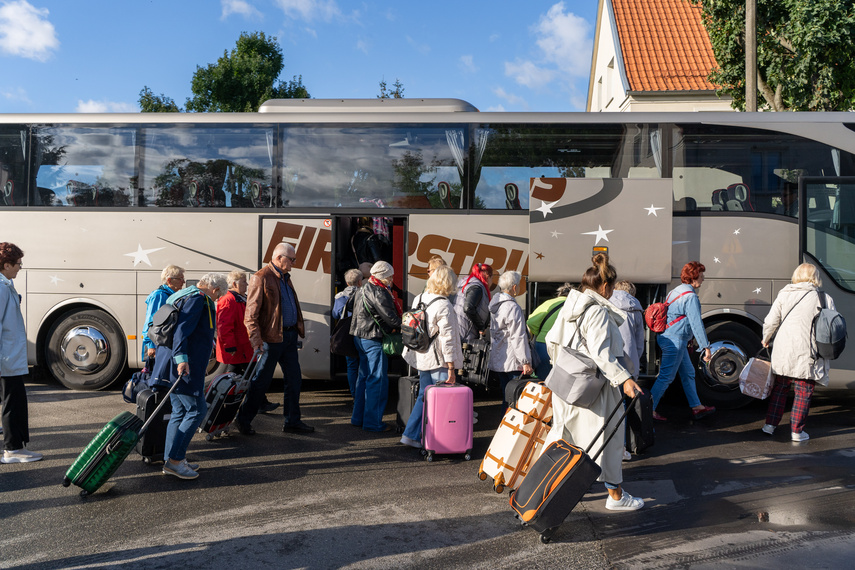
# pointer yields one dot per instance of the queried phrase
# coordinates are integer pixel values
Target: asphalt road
(718, 494)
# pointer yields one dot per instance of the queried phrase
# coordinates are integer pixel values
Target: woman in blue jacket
(186, 363)
(172, 280)
(684, 321)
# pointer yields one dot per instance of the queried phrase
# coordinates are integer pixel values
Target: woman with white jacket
(598, 336)
(788, 324)
(445, 355)
(510, 353)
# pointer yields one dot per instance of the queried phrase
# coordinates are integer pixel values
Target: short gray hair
(235, 275)
(214, 281)
(508, 279)
(564, 290)
(352, 276)
(170, 272)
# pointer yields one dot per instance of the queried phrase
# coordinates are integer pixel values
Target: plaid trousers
(801, 402)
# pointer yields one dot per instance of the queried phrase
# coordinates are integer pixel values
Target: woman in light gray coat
(597, 321)
(510, 354)
(788, 324)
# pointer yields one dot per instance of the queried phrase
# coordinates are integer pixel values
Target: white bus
(101, 203)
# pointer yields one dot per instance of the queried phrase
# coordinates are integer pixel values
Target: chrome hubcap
(724, 367)
(85, 350)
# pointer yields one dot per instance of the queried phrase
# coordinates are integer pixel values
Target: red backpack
(656, 315)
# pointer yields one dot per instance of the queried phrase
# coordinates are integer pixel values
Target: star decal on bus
(652, 210)
(757, 290)
(600, 233)
(736, 231)
(539, 255)
(54, 280)
(716, 260)
(546, 207)
(556, 233)
(141, 255)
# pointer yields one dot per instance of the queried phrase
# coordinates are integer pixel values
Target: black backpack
(828, 331)
(414, 327)
(163, 323)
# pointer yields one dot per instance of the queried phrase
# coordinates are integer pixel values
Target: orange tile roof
(665, 46)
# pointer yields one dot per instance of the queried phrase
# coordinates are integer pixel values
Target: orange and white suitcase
(515, 447)
(536, 401)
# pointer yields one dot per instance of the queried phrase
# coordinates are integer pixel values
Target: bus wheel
(731, 344)
(85, 349)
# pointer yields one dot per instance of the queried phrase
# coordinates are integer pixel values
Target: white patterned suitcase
(515, 447)
(536, 401)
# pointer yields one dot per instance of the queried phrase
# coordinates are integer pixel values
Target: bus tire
(85, 349)
(718, 381)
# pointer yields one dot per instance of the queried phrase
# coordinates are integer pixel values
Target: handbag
(575, 377)
(535, 357)
(393, 343)
(341, 341)
(756, 379)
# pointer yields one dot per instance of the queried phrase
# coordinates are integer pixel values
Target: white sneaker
(22, 455)
(626, 503)
(768, 429)
(411, 442)
(797, 436)
(626, 455)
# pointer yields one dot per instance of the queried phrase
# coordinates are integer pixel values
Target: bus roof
(375, 105)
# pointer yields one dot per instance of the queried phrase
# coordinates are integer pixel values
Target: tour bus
(101, 203)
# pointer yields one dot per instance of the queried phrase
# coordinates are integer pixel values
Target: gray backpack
(828, 331)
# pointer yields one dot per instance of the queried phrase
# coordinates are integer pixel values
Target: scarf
(373, 280)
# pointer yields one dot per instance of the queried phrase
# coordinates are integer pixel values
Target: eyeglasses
(291, 259)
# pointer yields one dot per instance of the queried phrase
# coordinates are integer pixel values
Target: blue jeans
(544, 367)
(426, 378)
(285, 355)
(352, 372)
(372, 385)
(187, 415)
(675, 359)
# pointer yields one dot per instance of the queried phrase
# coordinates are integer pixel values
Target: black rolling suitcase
(557, 482)
(639, 423)
(476, 362)
(514, 388)
(152, 442)
(408, 391)
(224, 396)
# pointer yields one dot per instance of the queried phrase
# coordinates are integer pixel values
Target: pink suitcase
(447, 420)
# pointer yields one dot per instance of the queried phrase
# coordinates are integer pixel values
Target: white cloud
(565, 40)
(510, 97)
(467, 63)
(25, 31)
(423, 49)
(92, 106)
(362, 46)
(495, 109)
(241, 7)
(310, 10)
(312, 32)
(16, 94)
(529, 74)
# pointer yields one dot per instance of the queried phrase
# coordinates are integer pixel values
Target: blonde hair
(434, 262)
(441, 281)
(234, 276)
(627, 286)
(214, 281)
(807, 273)
(352, 277)
(170, 272)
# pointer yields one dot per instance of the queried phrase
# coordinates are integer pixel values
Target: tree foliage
(805, 60)
(397, 91)
(240, 81)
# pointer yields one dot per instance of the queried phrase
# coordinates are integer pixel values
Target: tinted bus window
(13, 166)
(731, 169)
(374, 167)
(83, 167)
(507, 157)
(207, 167)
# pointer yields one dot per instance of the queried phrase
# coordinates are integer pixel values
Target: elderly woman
(589, 323)
(376, 312)
(185, 362)
(13, 362)
(789, 324)
(473, 302)
(233, 346)
(684, 321)
(171, 280)
(444, 355)
(510, 354)
(353, 279)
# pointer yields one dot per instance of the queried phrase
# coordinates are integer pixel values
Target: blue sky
(62, 56)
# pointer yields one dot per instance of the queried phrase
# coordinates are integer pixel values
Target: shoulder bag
(575, 377)
(393, 343)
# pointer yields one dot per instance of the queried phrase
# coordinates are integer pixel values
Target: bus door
(827, 240)
(311, 237)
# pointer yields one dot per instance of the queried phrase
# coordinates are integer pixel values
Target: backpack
(828, 331)
(161, 329)
(414, 327)
(656, 315)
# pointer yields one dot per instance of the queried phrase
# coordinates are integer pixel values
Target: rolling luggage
(476, 362)
(535, 399)
(152, 442)
(513, 389)
(108, 449)
(514, 449)
(447, 420)
(408, 391)
(639, 423)
(557, 481)
(224, 396)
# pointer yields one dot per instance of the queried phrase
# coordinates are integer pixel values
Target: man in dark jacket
(273, 320)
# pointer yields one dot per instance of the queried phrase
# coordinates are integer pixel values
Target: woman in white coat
(788, 324)
(597, 321)
(445, 355)
(510, 353)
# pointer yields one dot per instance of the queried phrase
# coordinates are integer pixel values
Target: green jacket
(536, 322)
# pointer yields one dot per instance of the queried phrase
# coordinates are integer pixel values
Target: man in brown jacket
(274, 320)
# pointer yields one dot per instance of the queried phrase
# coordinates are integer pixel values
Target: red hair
(9, 253)
(692, 271)
(478, 272)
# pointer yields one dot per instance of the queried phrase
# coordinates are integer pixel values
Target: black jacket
(382, 306)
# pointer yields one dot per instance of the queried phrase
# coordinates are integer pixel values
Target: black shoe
(268, 407)
(245, 429)
(298, 428)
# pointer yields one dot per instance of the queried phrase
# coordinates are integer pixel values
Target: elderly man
(273, 320)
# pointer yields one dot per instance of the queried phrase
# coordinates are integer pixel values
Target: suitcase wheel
(429, 457)
(84, 494)
(546, 536)
(66, 481)
(499, 488)
(209, 437)
(147, 460)
(467, 457)
(481, 475)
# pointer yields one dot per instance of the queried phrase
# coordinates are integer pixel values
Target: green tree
(805, 60)
(397, 91)
(239, 81)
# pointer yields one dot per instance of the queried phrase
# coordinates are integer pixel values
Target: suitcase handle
(252, 368)
(606, 423)
(158, 408)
